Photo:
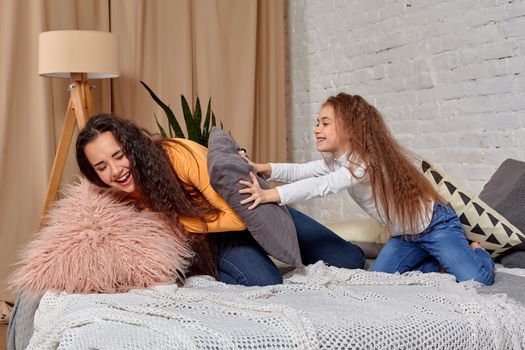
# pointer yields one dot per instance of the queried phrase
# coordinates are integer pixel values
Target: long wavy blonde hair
(401, 190)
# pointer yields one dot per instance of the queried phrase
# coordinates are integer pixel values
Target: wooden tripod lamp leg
(60, 159)
(78, 111)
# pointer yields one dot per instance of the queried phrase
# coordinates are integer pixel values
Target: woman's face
(111, 164)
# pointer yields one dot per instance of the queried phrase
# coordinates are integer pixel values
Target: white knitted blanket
(318, 307)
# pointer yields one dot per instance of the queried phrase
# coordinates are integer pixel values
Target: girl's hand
(264, 169)
(258, 195)
(243, 154)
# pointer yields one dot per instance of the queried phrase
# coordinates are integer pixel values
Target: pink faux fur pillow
(95, 243)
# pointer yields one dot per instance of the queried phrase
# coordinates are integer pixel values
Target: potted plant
(196, 130)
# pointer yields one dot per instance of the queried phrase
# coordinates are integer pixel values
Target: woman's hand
(258, 195)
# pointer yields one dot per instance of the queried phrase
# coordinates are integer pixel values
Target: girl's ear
(344, 133)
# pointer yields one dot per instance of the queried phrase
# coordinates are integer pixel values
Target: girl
(169, 176)
(382, 179)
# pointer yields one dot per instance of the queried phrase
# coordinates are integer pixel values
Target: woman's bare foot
(475, 245)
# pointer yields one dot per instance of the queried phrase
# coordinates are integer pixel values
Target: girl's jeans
(243, 261)
(443, 242)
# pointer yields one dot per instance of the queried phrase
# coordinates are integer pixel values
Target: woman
(169, 177)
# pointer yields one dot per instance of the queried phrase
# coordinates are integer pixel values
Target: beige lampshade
(63, 52)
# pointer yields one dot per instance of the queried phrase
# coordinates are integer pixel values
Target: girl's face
(326, 132)
(110, 163)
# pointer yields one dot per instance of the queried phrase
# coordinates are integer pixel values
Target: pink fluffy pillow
(95, 243)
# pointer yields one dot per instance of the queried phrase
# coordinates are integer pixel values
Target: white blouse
(321, 177)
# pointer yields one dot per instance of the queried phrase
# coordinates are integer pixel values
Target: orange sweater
(190, 161)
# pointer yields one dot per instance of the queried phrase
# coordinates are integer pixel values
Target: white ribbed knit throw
(318, 307)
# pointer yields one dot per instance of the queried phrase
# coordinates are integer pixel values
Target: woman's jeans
(443, 242)
(243, 261)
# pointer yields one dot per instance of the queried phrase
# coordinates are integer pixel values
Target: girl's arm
(264, 169)
(311, 187)
(290, 172)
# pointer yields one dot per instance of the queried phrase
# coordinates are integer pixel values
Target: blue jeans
(241, 260)
(443, 242)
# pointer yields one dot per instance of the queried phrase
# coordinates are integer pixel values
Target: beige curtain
(32, 110)
(231, 50)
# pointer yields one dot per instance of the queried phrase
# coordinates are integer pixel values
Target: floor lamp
(78, 55)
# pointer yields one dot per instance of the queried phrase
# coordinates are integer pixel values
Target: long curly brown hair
(401, 190)
(156, 181)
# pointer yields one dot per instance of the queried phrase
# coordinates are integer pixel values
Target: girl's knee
(487, 279)
(381, 265)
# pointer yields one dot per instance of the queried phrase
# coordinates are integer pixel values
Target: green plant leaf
(161, 129)
(191, 127)
(192, 119)
(197, 117)
(206, 127)
(172, 120)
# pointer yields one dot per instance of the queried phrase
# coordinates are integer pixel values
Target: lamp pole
(79, 110)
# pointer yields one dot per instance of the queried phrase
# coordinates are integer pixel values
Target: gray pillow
(505, 192)
(270, 224)
(514, 259)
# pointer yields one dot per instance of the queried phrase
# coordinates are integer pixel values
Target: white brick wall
(448, 76)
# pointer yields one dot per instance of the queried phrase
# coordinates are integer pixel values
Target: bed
(317, 307)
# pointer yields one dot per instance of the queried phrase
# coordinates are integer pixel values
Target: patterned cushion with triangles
(481, 223)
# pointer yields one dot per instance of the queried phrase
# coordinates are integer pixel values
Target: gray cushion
(270, 224)
(21, 324)
(514, 259)
(505, 192)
